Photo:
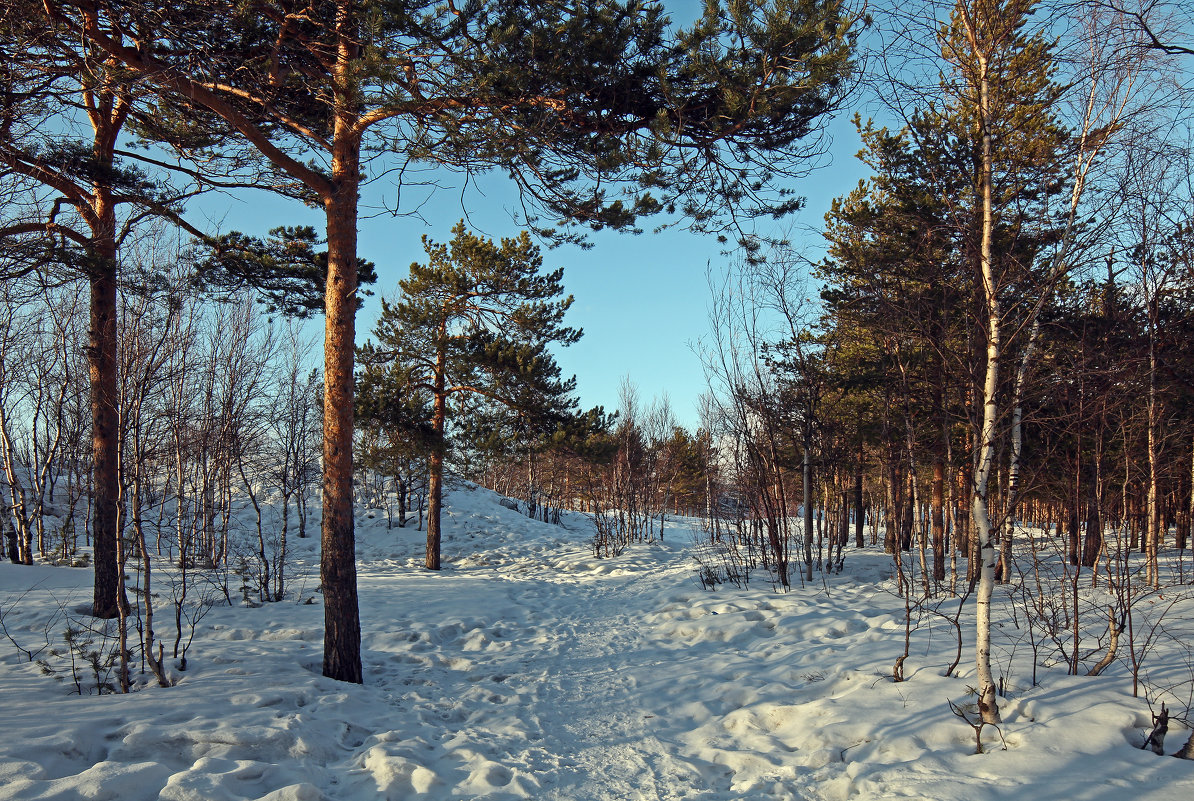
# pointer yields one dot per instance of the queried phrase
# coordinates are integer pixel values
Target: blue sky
(641, 300)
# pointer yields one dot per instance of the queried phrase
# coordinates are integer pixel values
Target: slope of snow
(529, 669)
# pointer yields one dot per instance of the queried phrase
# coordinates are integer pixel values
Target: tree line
(997, 335)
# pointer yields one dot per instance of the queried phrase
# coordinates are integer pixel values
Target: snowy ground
(529, 669)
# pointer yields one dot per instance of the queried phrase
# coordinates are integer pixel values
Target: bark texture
(338, 569)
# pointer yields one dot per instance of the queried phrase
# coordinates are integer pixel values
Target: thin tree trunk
(952, 534)
(859, 508)
(939, 520)
(1093, 544)
(891, 513)
(1188, 530)
(987, 703)
(808, 509)
(1152, 531)
(435, 481)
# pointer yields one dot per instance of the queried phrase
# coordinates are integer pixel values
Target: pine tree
(476, 320)
(80, 199)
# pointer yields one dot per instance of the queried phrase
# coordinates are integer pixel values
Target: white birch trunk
(988, 705)
(1014, 461)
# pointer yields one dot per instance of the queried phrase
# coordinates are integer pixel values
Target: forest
(970, 383)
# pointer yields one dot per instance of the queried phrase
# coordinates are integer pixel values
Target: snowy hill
(529, 669)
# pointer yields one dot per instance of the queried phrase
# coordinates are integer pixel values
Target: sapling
(84, 657)
(971, 715)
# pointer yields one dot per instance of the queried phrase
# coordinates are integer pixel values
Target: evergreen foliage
(902, 276)
(475, 321)
(600, 112)
(286, 269)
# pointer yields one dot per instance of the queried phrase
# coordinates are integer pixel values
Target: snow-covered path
(539, 687)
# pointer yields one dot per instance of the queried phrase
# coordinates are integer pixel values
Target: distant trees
(629, 489)
(284, 453)
(394, 430)
(43, 423)
(762, 412)
(550, 464)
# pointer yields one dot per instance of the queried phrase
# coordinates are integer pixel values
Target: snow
(528, 668)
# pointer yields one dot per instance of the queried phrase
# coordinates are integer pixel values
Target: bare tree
(147, 325)
(295, 427)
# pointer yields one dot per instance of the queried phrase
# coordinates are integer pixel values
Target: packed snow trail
(556, 667)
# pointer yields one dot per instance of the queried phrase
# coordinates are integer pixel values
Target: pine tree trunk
(779, 530)
(435, 481)
(1093, 543)
(891, 513)
(338, 572)
(939, 520)
(964, 487)
(435, 487)
(1073, 535)
(952, 520)
(102, 370)
(859, 509)
(1188, 530)
(807, 479)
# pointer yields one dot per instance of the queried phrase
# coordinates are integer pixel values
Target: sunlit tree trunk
(101, 364)
(988, 706)
(338, 571)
